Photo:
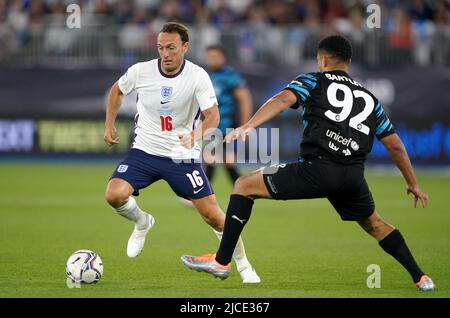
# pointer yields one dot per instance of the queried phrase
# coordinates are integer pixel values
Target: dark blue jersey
(340, 117)
(225, 82)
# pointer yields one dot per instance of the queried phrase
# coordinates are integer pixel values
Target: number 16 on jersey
(166, 123)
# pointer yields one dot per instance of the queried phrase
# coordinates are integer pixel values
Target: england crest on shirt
(122, 168)
(166, 92)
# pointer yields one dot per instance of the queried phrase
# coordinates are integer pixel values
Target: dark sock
(395, 245)
(210, 172)
(232, 173)
(238, 213)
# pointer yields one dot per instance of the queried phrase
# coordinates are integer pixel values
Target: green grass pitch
(299, 248)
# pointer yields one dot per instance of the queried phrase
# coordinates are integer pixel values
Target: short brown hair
(174, 27)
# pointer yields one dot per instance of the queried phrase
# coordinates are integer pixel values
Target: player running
(172, 93)
(341, 119)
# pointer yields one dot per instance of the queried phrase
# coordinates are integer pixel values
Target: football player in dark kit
(341, 119)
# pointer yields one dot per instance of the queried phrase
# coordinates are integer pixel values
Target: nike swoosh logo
(165, 102)
(236, 218)
(197, 191)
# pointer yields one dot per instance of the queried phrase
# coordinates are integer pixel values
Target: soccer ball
(84, 266)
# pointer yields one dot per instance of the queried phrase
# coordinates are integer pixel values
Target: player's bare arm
(114, 101)
(211, 118)
(275, 105)
(244, 100)
(398, 153)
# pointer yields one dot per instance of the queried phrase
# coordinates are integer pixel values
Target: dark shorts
(344, 186)
(140, 169)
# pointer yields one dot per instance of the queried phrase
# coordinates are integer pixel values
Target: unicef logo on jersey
(166, 92)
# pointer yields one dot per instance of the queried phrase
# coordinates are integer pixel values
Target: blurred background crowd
(253, 31)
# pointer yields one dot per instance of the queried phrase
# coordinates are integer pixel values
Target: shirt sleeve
(127, 82)
(302, 87)
(204, 93)
(383, 126)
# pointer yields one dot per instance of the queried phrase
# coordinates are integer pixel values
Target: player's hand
(187, 140)
(239, 133)
(111, 138)
(418, 194)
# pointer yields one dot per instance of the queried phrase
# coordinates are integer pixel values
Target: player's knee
(384, 229)
(241, 186)
(211, 213)
(115, 198)
(377, 227)
(380, 225)
(369, 226)
(216, 219)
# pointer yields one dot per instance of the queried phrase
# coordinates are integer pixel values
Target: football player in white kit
(172, 93)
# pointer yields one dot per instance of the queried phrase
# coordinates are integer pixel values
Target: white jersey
(167, 105)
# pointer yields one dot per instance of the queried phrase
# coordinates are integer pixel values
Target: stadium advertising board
(70, 120)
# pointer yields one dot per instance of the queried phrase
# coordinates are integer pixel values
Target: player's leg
(376, 226)
(284, 182)
(188, 180)
(214, 216)
(127, 179)
(210, 211)
(119, 196)
(392, 242)
(246, 189)
(354, 202)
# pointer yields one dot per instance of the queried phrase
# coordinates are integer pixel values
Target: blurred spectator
(442, 15)
(423, 35)
(124, 11)
(353, 26)
(18, 19)
(278, 12)
(419, 10)
(132, 36)
(332, 10)
(223, 16)
(7, 34)
(103, 7)
(312, 20)
(237, 6)
(401, 37)
(440, 43)
(252, 38)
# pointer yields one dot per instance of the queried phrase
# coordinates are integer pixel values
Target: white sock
(239, 255)
(132, 212)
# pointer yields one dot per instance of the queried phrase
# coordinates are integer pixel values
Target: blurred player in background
(235, 108)
(341, 119)
(172, 93)
(235, 104)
